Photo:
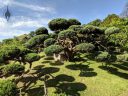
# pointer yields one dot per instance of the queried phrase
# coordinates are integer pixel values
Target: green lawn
(87, 78)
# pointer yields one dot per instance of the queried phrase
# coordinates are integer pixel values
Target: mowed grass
(85, 78)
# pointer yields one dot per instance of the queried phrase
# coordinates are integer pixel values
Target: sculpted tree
(41, 30)
(31, 57)
(49, 41)
(58, 24)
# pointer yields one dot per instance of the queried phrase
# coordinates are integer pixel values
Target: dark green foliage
(112, 30)
(84, 47)
(36, 40)
(53, 49)
(103, 57)
(7, 41)
(90, 29)
(31, 57)
(41, 30)
(58, 24)
(13, 69)
(67, 34)
(8, 88)
(76, 28)
(49, 41)
(96, 22)
(74, 22)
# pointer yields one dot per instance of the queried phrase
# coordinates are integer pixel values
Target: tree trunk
(45, 88)
(30, 65)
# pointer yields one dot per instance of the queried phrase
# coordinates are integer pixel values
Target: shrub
(84, 47)
(13, 69)
(49, 42)
(7, 88)
(122, 57)
(49, 51)
(103, 56)
(58, 24)
(111, 30)
(41, 30)
(31, 57)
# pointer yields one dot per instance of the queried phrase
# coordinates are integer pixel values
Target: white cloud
(14, 26)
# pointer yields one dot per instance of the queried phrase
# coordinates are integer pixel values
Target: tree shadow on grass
(123, 66)
(70, 89)
(46, 61)
(56, 63)
(38, 67)
(85, 71)
(37, 75)
(114, 71)
(63, 85)
(35, 91)
(49, 58)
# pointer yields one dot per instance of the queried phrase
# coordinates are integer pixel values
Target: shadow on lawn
(85, 71)
(34, 77)
(123, 66)
(64, 85)
(114, 71)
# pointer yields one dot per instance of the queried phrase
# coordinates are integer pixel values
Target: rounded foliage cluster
(7, 88)
(41, 30)
(84, 47)
(36, 40)
(122, 57)
(31, 57)
(74, 22)
(13, 69)
(67, 34)
(111, 30)
(103, 56)
(58, 24)
(49, 51)
(90, 29)
(49, 42)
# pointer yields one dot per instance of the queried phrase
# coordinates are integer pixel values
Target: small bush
(31, 57)
(122, 57)
(8, 88)
(13, 69)
(103, 56)
(53, 49)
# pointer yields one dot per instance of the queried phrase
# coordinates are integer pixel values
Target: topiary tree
(49, 51)
(103, 57)
(41, 30)
(31, 57)
(32, 34)
(37, 42)
(49, 41)
(8, 88)
(58, 24)
(74, 22)
(13, 69)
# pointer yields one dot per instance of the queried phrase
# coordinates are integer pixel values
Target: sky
(28, 15)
